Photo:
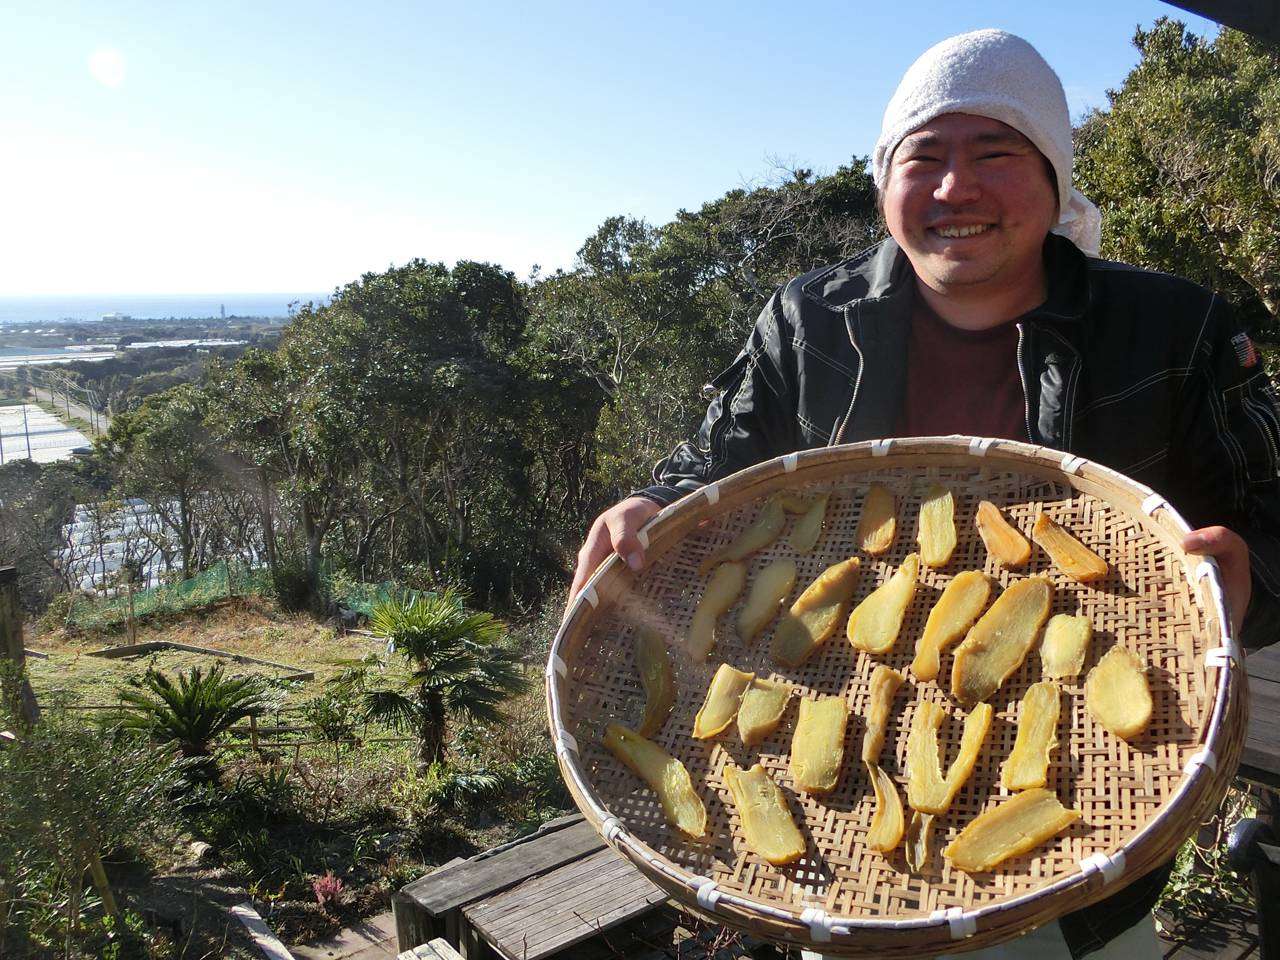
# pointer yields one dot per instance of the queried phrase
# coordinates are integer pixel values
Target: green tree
(1185, 165)
(442, 660)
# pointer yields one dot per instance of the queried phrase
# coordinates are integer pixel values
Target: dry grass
(252, 626)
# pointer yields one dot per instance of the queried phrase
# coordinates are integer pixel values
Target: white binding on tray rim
(1072, 464)
(610, 827)
(820, 923)
(1153, 503)
(1201, 758)
(962, 925)
(1111, 866)
(643, 537)
(880, 448)
(707, 892)
(789, 462)
(566, 741)
(712, 493)
(978, 446)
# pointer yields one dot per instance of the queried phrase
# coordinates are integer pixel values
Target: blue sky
(244, 147)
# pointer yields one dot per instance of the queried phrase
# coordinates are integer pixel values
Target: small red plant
(329, 891)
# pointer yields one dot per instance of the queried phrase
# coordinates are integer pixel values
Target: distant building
(116, 316)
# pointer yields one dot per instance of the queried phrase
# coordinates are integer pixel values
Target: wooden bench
(526, 900)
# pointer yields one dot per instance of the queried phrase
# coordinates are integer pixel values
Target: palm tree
(193, 712)
(453, 663)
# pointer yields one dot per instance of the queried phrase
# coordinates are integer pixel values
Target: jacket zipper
(1022, 376)
(853, 341)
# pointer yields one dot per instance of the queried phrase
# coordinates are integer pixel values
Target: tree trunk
(431, 730)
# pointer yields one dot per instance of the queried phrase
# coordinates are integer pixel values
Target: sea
(53, 309)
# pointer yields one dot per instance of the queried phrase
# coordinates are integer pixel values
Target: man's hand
(613, 532)
(1233, 560)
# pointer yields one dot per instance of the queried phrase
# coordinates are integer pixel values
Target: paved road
(77, 410)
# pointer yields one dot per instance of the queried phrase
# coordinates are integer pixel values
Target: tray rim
(1204, 779)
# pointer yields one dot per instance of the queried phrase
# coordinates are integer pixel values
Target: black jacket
(1141, 371)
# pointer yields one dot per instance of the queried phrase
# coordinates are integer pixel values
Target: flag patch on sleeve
(1245, 352)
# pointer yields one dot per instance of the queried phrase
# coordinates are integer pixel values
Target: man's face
(969, 201)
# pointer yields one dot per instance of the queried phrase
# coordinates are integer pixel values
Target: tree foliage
(1185, 165)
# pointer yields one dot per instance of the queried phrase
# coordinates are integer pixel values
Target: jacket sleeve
(751, 416)
(1227, 463)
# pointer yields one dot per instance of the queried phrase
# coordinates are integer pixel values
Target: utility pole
(26, 430)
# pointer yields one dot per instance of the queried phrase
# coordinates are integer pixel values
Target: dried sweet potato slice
(817, 748)
(759, 534)
(1021, 823)
(998, 643)
(919, 840)
(887, 823)
(1070, 555)
(875, 622)
(816, 613)
(884, 684)
(770, 588)
(654, 666)
(879, 520)
(804, 537)
(1066, 641)
(721, 705)
(927, 789)
(761, 710)
(722, 590)
(1003, 540)
(767, 824)
(1116, 693)
(954, 613)
(937, 531)
(1028, 765)
(665, 775)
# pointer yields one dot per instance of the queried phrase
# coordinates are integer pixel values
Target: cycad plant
(193, 712)
(443, 659)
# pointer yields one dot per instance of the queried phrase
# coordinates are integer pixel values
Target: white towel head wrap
(991, 73)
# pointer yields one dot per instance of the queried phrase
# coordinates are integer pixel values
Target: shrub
(194, 712)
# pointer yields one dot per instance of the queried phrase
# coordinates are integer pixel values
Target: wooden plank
(1232, 934)
(1260, 761)
(546, 914)
(478, 878)
(263, 938)
(437, 949)
(1264, 664)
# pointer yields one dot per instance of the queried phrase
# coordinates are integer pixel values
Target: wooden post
(133, 627)
(11, 642)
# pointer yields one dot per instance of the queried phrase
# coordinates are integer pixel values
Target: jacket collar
(883, 272)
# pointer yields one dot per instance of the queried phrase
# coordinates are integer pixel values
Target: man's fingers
(1210, 540)
(625, 543)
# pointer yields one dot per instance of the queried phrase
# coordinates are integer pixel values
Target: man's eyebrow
(931, 141)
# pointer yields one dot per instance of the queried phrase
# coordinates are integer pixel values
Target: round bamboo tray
(1139, 800)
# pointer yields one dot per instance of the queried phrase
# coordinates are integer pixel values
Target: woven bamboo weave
(1139, 800)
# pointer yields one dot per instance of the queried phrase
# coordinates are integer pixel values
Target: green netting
(222, 580)
(361, 597)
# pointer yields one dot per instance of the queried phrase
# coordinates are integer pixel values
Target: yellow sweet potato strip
(809, 527)
(654, 666)
(886, 828)
(766, 820)
(816, 613)
(769, 589)
(1021, 823)
(761, 710)
(722, 590)
(879, 520)
(721, 705)
(665, 775)
(998, 643)
(1070, 555)
(817, 747)
(1065, 644)
(875, 622)
(1028, 765)
(937, 531)
(1002, 539)
(884, 684)
(758, 535)
(1116, 693)
(919, 840)
(927, 790)
(954, 613)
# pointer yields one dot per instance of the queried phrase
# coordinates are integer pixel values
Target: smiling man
(987, 313)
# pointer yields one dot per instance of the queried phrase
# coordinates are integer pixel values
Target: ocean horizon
(91, 307)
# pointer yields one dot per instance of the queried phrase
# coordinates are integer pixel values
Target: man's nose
(958, 185)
